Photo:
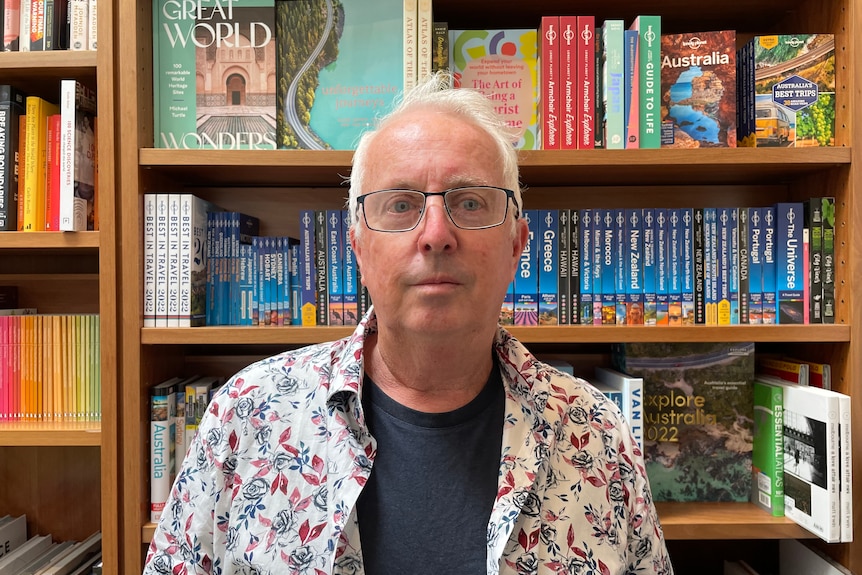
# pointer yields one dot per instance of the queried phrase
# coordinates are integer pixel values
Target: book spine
(245, 284)
(67, 155)
(828, 206)
(607, 222)
(48, 25)
(662, 273)
(574, 302)
(634, 267)
(320, 256)
(564, 261)
(768, 448)
(187, 209)
(527, 278)
(52, 174)
(11, 25)
(79, 15)
(598, 251)
(814, 223)
(710, 267)
(649, 30)
(549, 46)
(335, 263)
(440, 46)
(586, 86)
(265, 278)
(547, 262)
(12, 107)
(37, 25)
(744, 235)
(846, 468)
(308, 274)
(351, 280)
(598, 121)
(295, 283)
(723, 250)
(149, 276)
(733, 262)
(649, 267)
(570, 94)
(160, 460)
(92, 25)
(24, 26)
(180, 442)
(425, 27)
(789, 273)
(36, 144)
(687, 265)
(585, 218)
(620, 266)
(674, 284)
(755, 266)
(173, 312)
(631, 89)
(612, 77)
(409, 41)
(161, 315)
(770, 253)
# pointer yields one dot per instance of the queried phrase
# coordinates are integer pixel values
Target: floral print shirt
(270, 482)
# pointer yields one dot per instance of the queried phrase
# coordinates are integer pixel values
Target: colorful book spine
(755, 266)
(585, 216)
(744, 236)
(296, 283)
(828, 208)
(649, 57)
(634, 270)
(674, 267)
(13, 105)
(37, 112)
(767, 465)
(687, 265)
(335, 263)
(598, 266)
(607, 223)
(790, 263)
(564, 260)
(527, 276)
(320, 266)
(548, 265)
(662, 271)
(649, 265)
(723, 273)
(549, 46)
(631, 89)
(351, 279)
(613, 72)
(307, 271)
(587, 82)
(710, 265)
(770, 249)
(570, 90)
(620, 266)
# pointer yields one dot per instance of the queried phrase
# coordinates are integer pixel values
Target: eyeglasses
(469, 207)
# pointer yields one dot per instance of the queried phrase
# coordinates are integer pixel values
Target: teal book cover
(214, 74)
(698, 417)
(340, 65)
(502, 64)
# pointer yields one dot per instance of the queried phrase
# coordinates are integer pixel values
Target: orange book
(36, 162)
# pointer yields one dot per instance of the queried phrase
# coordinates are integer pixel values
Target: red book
(550, 81)
(586, 81)
(52, 182)
(570, 91)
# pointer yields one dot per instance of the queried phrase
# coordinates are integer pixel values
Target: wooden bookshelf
(64, 476)
(275, 185)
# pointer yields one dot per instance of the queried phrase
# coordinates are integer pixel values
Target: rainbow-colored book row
(49, 368)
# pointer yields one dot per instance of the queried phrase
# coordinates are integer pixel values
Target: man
(429, 441)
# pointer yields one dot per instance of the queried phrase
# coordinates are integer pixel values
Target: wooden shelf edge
(682, 521)
(48, 240)
(545, 334)
(48, 59)
(50, 434)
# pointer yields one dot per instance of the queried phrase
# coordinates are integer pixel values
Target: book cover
(812, 458)
(13, 105)
(214, 74)
(502, 64)
(613, 83)
(570, 93)
(791, 99)
(633, 399)
(828, 208)
(588, 86)
(11, 25)
(77, 156)
(547, 263)
(13, 534)
(527, 276)
(550, 80)
(163, 409)
(790, 263)
(698, 414)
(631, 89)
(36, 158)
(698, 90)
(335, 263)
(767, 464)
(333, 82)
(649, 95)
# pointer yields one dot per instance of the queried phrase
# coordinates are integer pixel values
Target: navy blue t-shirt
(426, 506)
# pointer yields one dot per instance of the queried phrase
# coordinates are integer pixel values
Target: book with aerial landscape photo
(698, 417)
(340, 65)
(214, 74)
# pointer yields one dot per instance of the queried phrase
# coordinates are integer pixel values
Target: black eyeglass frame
(510, 194)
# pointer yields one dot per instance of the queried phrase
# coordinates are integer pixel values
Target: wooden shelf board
(42, 62)
(285, 168)
(681, 521)
(48, 240)
(229, 335)
(725, 521)
(46, 433)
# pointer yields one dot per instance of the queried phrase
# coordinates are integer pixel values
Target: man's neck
(429, 376)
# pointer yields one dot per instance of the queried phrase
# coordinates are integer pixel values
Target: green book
(649, 57)
(767, 461)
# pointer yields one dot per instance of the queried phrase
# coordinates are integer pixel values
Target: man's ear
(522, 233)
(357, 252)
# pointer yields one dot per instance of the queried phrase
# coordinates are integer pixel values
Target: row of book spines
(45, 161)
(38, 25)
(418, 33)
(49, 368)
(677, 266)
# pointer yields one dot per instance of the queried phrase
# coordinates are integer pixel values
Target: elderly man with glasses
(430, 441)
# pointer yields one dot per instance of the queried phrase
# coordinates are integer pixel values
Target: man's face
(436, 277)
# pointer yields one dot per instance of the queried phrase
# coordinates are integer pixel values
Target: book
(767, 463)
(569, 92)
(698, 412)
(410, 32)
(13, 105)
(192, 260)
(819, 374)
(649, 85)
(333, 82)
(424, 38)
(698, 87)
(440, 46)
(79, 15)
(631, 89)
(197, 397)
(502, 64)
(790, 271)
(788, 370)
(612, 72)
(769, 314)
(79, 553)
(214, 75)
(77, 157)
(36, 145)
(631, 389)
(812, 455)
(551, 102)
(547, 258)
(790, 99)
(11, 25)
(52, 175)
(828, 209)
(526, 300)
(163, 409)
(14, 561)
(587, 87)
(797, 557)
(13, 534)
(23, 25)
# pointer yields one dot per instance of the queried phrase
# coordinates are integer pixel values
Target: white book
(811, 458)
(162, 444)
(77, 156)
(424, 39)
(632, 390)
(13, 562)
(79, 554)
(13, 533)
(78, 24)
(798, 558)
(24, 26)
(149, 275)
(173, 315)
(193, 259)
(846, 468)
(40, 563)
(92, 25)
(410, 38)
(161, 260)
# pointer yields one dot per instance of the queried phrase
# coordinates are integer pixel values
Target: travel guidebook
(340, 64)
(698, 90)
(214, 74)
(698, 417)
(502, 64)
